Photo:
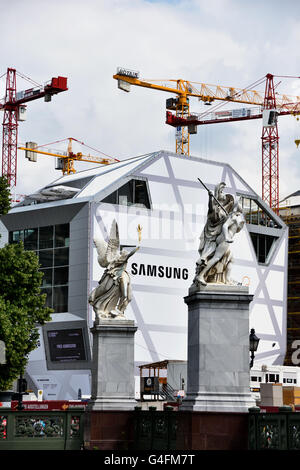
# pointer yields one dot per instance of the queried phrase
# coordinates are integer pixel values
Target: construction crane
(270, 106)
(184, 89)
(14, 106)
(65, 160)
(273, 105)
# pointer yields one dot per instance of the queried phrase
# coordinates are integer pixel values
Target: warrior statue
(224, 220)
(111, 297)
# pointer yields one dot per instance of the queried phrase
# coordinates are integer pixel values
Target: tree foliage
(22, 306)
(5, 197)
(22, 309)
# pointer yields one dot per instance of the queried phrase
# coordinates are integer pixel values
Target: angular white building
(161, 192)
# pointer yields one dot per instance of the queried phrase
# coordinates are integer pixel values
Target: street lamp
(253, 345)
(22, 385)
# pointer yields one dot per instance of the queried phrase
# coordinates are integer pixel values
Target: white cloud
(225, 42)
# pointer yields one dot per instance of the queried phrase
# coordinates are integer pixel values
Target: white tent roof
(124, 165)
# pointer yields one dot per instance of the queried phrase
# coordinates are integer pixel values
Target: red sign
(47, 405)
(269, 409)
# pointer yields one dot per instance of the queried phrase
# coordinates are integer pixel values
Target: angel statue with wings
(113, 293)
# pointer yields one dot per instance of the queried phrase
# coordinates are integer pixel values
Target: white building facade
(161, 192)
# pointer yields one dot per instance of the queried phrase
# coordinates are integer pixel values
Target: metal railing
(274, 431)
(167, 392)
(41, 430)
(155, 430)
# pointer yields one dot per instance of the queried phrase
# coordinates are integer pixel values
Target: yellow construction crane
(204, 92)
(65, 160)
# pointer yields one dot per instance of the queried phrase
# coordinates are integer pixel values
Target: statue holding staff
(224, 220)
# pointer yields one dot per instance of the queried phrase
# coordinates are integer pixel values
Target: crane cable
(82, 143)
(220, 105)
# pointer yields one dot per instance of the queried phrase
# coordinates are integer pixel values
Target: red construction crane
(270, 149)
(269, 110)
(14, 107)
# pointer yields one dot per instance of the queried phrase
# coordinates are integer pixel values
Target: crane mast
(271, 106)
(270, 149)
(10, 129)
(13, 105)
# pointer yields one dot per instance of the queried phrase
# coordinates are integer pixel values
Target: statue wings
(107, 251)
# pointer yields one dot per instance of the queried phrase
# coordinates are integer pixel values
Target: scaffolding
(292, 219)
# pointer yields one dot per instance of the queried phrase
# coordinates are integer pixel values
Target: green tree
(5, 197)
(22, 306)
(22, 309)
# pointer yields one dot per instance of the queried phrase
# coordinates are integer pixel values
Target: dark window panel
(48, 291)
(46, 258)
(269, 244)
(262, 218)
(31, 239)
(111, 198)
(262, 245)
(261, 249)
(133, 192)
(61, 256)
(16, 236)
(141, 193)
(254, 214)
(13, 237)
(61, 276)
(46, 237)
(60, 299)
(62, 235)
(47, 280)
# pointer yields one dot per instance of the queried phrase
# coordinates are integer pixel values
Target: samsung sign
(153, 270)
(127, 73)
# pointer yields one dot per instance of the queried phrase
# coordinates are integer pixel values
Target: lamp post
(22, 384)
(253, 345)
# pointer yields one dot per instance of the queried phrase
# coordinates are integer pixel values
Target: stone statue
(224, 220)
(111, 297)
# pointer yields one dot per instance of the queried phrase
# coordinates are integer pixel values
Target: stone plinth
(113, 385)
(212, 431)
(218, 349)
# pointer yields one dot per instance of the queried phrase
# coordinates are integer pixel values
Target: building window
(272, 378)
(262, 246)
(134, 192)
(51, 244)
(254, 379)
(255, 215)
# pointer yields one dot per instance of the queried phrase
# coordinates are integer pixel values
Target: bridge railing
(270, 431)
(41, 430)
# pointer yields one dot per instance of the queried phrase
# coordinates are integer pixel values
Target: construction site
(159, 191)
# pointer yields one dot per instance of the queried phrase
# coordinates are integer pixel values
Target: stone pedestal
(113, 386)
(218, 349)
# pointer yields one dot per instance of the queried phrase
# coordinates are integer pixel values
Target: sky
(223, 42)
